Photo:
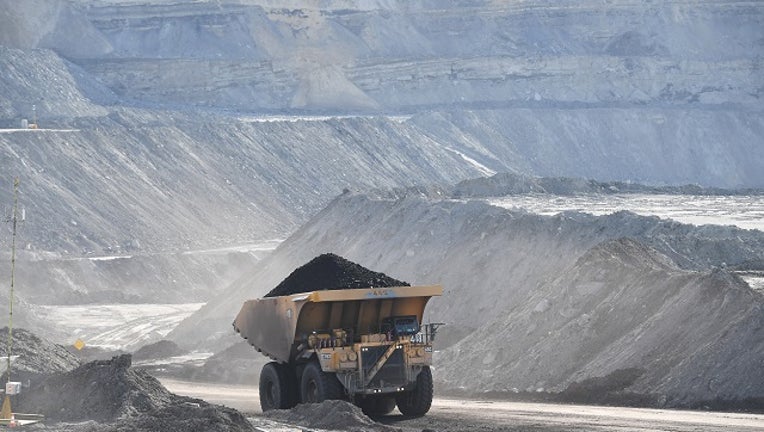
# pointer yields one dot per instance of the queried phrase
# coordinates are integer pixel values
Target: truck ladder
(381, 362)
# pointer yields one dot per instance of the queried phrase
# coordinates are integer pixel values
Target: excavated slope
(401, 56)
(221, 181)
(147, 187)
(59, 90)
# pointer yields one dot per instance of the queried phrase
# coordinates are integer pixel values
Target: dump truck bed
(276, 326)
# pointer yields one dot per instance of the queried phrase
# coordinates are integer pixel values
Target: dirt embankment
(34, 357)
(330, 414)
(158, 350)
(119, 398)
(624, 325)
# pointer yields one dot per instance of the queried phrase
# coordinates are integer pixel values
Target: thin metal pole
(13, 270)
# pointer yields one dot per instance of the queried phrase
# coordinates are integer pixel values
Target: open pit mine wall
(485, 56)
(651, 144)
(404, 57)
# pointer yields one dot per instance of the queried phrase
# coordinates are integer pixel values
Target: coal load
(331, 272)
(110, 392)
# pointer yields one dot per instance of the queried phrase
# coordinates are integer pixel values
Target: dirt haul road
(453, 415)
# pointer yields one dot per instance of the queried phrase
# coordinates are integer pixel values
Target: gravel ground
(462, 414)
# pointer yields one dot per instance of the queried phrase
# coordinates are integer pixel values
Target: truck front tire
(417, 402)
(317, 386)
(276, 387)
(378, 405)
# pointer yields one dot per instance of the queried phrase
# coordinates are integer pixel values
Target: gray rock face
(58, 89)
(144, 181)
(651, 145)
(665, 93)
(53, 24)
(192, 277)
(141, 182)
(399, 55)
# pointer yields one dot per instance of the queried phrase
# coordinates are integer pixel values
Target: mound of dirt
(37, 357)
(330, 272)
(158, 350)
(507, 183)
(237, 364)
(330, 414)
(126, 399)
(622, 325)
(91, 353)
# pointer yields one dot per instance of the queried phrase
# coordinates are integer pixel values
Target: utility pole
(14, 221)
(6, 412)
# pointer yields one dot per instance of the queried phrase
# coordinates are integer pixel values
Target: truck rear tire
(417, 402)
(276, 387)
(317, 386)
(378, 405)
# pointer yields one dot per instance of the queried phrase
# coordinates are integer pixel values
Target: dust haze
(585, 181)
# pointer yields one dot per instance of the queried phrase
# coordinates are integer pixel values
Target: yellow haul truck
(363, 345)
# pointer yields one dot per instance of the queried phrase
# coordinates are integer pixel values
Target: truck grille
(393, 373)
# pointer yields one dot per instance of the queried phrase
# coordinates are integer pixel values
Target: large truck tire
(276, 387)
(377, 405)
(317, 386)
(417, 402)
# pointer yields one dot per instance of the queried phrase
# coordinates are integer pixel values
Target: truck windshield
(406, 326)
(400, 326)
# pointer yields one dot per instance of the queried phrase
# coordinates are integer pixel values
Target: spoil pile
(237, 364)
(330, 272)
(158, 350)
(36, 357)
(623, 325)
(125, 399)
(330, 414)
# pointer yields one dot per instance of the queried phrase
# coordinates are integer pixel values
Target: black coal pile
(158, 350)
(330, 414)
(121, 398)
(331, 272)
(37, 357)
